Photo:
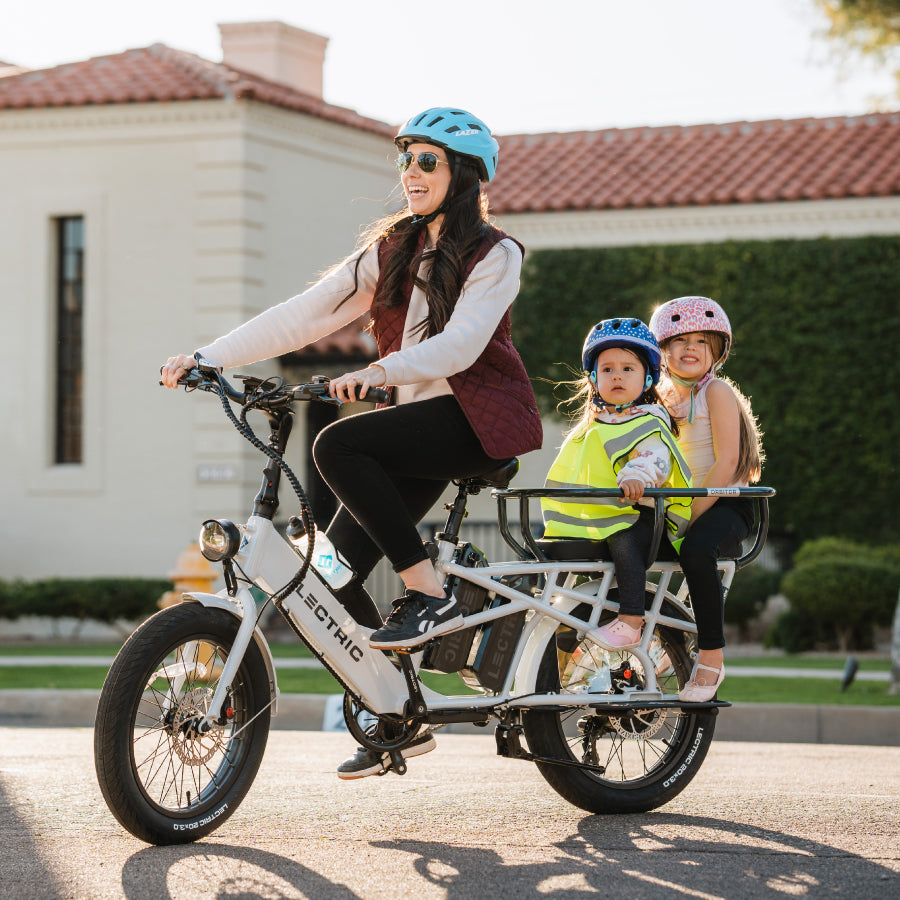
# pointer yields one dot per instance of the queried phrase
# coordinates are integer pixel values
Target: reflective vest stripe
(592, 460)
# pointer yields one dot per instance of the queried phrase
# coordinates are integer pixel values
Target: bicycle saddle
(496, 478)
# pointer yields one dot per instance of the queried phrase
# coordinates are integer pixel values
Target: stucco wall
(197, 215)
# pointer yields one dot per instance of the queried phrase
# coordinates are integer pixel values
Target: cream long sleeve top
(420, 368)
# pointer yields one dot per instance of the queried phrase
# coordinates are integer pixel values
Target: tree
(868, 27)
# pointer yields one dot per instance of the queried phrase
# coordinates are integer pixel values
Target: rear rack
(531, 550)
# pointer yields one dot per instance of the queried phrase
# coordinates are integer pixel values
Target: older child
(623, 439)
(721, 442)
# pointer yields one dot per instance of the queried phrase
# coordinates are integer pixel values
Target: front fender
(218, 601)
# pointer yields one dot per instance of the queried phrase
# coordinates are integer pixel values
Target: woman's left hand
(355, 385)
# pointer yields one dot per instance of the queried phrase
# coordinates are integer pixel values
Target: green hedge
(104, 599)
(816, 326)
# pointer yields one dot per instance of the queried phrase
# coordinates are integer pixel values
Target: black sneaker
(417, 618)
(369, 762)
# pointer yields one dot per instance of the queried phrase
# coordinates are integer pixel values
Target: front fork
(233, 662)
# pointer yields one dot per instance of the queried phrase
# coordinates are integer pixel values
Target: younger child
(623, 439)
(721, 442)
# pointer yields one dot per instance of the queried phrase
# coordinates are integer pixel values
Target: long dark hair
(465, 221)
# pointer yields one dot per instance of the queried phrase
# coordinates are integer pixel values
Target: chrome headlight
(219, 539)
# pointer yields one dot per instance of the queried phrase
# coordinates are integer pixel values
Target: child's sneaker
(618, 635)
(416, 619)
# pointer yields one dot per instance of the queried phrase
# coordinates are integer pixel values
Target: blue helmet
(455, 130)
(632, 334)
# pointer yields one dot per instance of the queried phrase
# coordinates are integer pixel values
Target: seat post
(457, 512)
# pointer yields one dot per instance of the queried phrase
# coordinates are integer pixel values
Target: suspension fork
(235, 657)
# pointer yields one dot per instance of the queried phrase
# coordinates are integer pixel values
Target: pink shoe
(701, 693)
(618, 635)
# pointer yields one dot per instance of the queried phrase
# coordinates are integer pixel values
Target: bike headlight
(219, 539)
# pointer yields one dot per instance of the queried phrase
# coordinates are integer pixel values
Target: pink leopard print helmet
(684, 315)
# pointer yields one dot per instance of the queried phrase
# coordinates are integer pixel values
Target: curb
(761, 722)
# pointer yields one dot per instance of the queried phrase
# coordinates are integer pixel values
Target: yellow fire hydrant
(193, 572)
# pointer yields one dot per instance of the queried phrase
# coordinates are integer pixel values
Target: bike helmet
(455, 130)
(684, 315)
(632, 334)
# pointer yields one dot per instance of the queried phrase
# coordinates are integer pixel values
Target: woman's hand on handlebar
(355, 385)
(175, 368)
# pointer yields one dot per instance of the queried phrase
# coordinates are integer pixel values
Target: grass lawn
(822, 691)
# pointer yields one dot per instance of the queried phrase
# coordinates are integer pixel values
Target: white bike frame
(269, 561)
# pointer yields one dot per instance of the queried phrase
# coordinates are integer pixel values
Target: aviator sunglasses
(427, 162)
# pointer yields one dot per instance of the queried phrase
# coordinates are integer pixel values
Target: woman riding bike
(438, 282)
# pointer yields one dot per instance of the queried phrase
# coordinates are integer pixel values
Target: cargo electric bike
(184, 713)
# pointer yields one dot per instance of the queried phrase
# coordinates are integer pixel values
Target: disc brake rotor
(192, 748)
(639, 726)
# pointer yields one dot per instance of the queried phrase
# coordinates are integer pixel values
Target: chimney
(276, 51)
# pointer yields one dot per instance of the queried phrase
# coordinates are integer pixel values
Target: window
(69, 338)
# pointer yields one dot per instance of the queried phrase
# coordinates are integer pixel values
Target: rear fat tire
(640, 774)
(162, 782)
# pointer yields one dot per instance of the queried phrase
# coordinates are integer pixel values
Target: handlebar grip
(374, 395)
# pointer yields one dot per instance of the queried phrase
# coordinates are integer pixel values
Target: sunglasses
(427, 162)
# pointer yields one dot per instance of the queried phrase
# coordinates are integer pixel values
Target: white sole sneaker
(369, 762)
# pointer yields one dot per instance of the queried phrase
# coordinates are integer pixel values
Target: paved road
(759, 820)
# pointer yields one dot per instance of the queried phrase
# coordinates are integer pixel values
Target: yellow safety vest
(593, 460)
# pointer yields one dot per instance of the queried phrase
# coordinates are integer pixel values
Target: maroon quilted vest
(494, 392)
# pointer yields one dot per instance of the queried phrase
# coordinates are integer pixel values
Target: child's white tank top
(696, 438)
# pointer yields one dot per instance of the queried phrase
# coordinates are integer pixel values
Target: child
(721, 442)
(623, 439)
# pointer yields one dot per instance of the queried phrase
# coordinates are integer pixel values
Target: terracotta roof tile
(634, 168)
(161, 74)
(699, 165)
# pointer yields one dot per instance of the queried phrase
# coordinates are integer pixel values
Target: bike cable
(246, 431)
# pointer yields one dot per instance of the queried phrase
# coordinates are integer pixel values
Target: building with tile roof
(156, 200)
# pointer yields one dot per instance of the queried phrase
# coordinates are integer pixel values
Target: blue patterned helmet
(456, 130)
(632, 334)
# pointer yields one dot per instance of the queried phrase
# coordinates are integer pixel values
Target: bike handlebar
(266, 393)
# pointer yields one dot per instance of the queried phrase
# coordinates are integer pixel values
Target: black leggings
(717, 533)
(388, 467)
(628, 550)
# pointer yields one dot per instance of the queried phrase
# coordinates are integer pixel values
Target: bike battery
(496, 648)
(451, 652)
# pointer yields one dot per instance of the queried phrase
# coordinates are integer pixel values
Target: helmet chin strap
(691, 384)
(618, 407)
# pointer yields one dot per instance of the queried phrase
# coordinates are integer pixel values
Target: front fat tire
(161, 783)
(670, 759)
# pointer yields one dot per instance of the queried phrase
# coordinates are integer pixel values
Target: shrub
(845, 596)
(104, 599)
(748, 594)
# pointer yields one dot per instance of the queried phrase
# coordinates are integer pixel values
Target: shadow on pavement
(708, 858)
(25, 872)
(224, 871)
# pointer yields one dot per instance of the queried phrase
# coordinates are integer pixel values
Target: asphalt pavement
(759, 821)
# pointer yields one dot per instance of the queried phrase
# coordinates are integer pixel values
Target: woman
(438, 281)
